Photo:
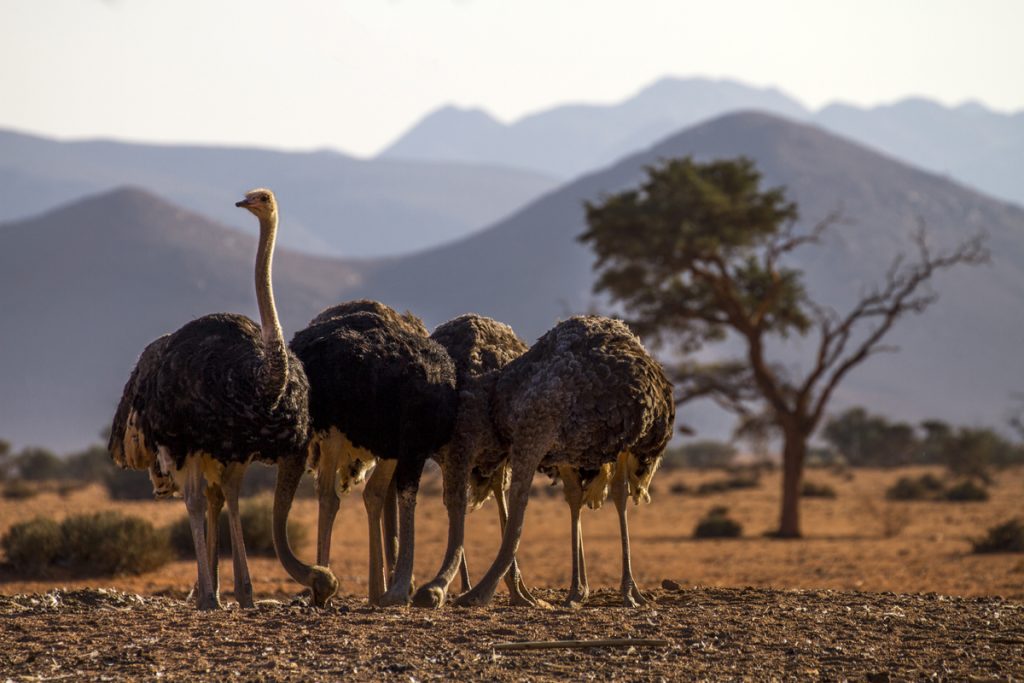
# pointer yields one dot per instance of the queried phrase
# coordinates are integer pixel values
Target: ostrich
(205, 400)
(329, 485)
(589, 398)
(380, 393)
(479, 347)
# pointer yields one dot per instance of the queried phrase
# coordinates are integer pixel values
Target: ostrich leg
(579, 589)
(631, 595)
(195, 502)
(232, 485)
(391, 529)
(467, 584)
(327, 493)
(518, 594)
(524, 464)
(374, 495)
(407, 478)
(455, 470)
(214, 504)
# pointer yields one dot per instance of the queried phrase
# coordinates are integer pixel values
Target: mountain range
(970, 143)
(336, 205)
(83, 288)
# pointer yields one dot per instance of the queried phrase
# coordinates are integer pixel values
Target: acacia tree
(696, 252)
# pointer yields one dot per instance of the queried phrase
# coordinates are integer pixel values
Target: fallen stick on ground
(579, 644)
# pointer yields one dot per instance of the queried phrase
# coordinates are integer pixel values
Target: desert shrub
(1007, 537)
(256, 516)
(16, 489)
(679, 488)
(128, 484)
(811, 489)
(38, 464)
(717, 524)
(742, 480)
(707, 453)
(92, 464)
(967, 491)
(113, 543)
(925, 487)
(33, 546)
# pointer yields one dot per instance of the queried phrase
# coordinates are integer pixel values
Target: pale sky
(353, 75)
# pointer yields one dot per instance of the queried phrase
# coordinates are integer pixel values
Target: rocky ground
(712, 634)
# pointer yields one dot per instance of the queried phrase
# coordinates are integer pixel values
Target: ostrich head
(259, 202)
(323, 585)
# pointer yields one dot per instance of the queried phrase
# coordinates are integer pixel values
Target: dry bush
(17, 489)
(717, 524)
(967, 491)
(256, 516)
(1007, 537)
(113, 543)
(925, 487)
(742, 480)
(33, 546)
(810, 489)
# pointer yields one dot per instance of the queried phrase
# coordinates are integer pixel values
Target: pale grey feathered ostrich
(479, 346)
(587, 395)
(380, 393)
(205, 400)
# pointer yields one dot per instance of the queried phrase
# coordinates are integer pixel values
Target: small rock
(670, 585)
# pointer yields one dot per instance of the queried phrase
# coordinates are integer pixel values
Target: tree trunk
(793, 455)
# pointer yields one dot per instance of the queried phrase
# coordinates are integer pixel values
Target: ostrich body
(381, 392)
(585, 398)
(204, 401)
(479, 347)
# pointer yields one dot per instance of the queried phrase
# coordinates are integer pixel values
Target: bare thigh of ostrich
(525, 461)
(338, 464)
(189, 480)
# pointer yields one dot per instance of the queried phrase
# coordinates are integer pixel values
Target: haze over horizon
(355, 77)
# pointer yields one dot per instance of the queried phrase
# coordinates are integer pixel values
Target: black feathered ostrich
(381, 392)
(204, 401)
(585, 398)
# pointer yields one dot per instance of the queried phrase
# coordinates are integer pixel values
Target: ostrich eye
(264, 198)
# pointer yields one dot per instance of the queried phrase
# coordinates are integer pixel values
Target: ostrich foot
(245, 600)
(212, 603)
(632, 597)
(577, 598)
(431, 596)
(474, 598)
(521, 597)
(393, 597)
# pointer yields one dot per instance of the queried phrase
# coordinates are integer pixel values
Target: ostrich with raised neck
(207, 399)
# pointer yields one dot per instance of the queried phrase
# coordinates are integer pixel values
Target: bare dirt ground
(871, 603)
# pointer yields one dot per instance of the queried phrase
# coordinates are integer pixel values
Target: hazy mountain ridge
(958, 361)
(969, 142)
(337, 205)
(84, 288)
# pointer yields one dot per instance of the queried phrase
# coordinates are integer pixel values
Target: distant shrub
(33, 546)
(811, 489)
(256, 516)
(16, 489)
(717, 524)
(101, 543)
(1007, 537)
(128, 484)
(38, 464)
(742, 480)
(706, 454)
(113, 543)
(967, 491)
(679, 488)
(925, 487)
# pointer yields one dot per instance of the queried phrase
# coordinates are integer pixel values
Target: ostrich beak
(243, 204)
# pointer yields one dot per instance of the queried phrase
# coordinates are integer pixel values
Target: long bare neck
(274, 373)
